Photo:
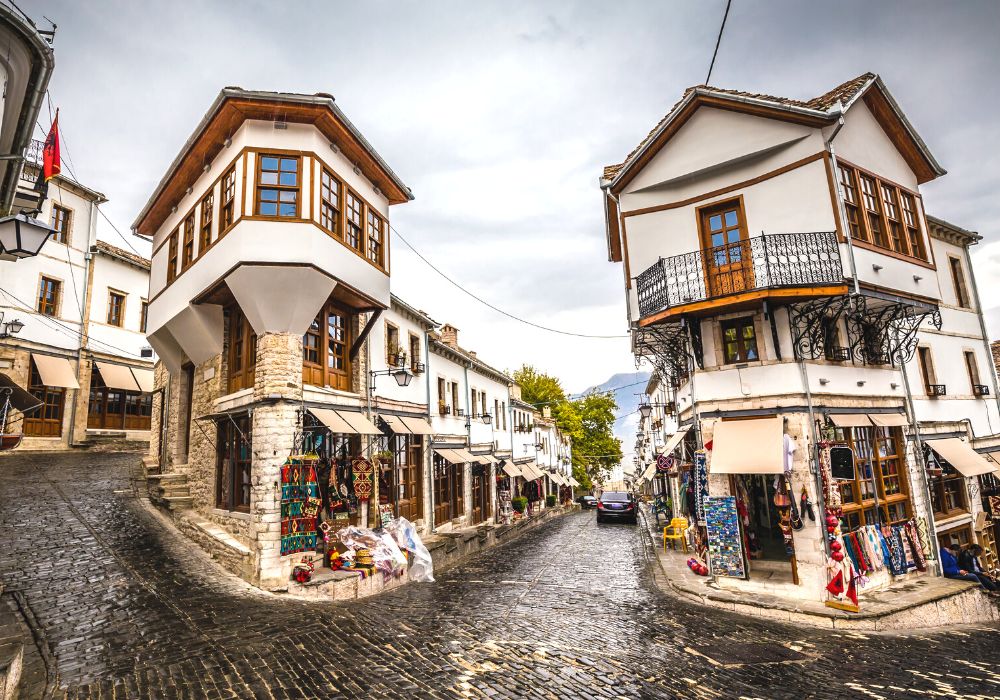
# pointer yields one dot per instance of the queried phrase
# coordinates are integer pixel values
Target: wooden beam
(363, 335)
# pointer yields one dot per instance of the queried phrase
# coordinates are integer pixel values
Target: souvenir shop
(507, 476)
(449, 483)
(326, 496)
(399, 458)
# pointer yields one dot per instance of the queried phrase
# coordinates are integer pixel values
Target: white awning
(345, 421)
(960, 455)
(453, 456)
(486, 459)
(417, 426)
(574, 481)
(850, 420)
(510, 469)
(889, 420)
(396, 424)
(117, 376)
(55, 371)
(530, 471)
(144, 378)
(649, 473)
(752, 446)
(674, 440)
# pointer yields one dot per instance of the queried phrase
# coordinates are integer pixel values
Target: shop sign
(700, 485)
(385, 515)
(725, 546)
(842, 462)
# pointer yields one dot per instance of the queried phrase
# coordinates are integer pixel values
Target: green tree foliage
(588, 420)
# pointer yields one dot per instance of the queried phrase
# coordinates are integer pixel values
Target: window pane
(289, 179)
(268, 178)
(269, 163)
(715, 222)
(268, 209)
(289, 164)
(731, 219)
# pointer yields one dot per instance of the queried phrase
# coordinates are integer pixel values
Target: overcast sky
(500, 116)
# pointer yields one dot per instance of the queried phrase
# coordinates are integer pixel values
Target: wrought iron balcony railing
(759, 262)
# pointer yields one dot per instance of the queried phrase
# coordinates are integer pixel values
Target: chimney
(546, 411)
(472, 354)
(449, 335)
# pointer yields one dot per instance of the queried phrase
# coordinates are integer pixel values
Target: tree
(588, 421)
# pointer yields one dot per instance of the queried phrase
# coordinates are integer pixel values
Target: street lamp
(402, 375)
(10, 327)
(22, 237)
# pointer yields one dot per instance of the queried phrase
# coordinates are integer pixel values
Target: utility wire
(488, 304)
(718, 41)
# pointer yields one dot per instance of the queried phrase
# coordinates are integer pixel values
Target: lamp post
(10, 327)
(22, 237)
(402, 375)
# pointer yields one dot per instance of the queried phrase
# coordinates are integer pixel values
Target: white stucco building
(784, 281)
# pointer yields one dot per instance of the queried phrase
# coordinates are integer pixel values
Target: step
(179, 502)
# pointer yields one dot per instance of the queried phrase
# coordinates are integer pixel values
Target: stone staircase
(168, 491)
(111, 441)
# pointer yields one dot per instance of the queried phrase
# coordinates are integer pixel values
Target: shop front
(507, 476)
(449, 485)
(50, 380)
(954, 466)
(117, 402)
(400, 454)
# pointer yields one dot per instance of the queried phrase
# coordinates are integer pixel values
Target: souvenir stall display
(532, 490)
(725, 548)
(300, 504)
(335, 473)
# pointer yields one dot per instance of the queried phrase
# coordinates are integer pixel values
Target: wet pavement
(129, 609)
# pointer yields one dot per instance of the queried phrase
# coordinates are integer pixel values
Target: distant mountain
(625, 386)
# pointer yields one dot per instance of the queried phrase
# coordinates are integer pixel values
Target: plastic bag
(405, 534)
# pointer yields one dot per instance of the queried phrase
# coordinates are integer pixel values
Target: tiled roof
(121, 253)
(842, 93)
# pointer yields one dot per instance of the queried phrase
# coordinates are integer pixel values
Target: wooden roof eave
(232, 108)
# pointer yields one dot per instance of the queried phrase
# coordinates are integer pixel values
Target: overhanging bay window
(278, 182)
(879, 493)
(233, 463)
(376, 238)
(325, 348)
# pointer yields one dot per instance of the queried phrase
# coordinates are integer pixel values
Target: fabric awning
(345, 421)
(649, 473)
(960, 455)
(464, 454)
(144, 378)
(530, 472)
(18, 397)
(453, 456)
(55, 371)
(574, 482)
(674, 440)
(511, 470)
(752, 446)
(417, 426)
(117, 376)
(850, 420)
(396, 424)
(889, 420)
(486, 459)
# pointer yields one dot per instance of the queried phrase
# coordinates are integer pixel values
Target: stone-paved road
(568, 611)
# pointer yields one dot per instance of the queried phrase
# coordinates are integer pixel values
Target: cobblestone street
(129, 610)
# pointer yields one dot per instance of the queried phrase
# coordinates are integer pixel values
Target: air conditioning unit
(146, 352)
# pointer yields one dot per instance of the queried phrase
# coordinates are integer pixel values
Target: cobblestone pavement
(129, 610)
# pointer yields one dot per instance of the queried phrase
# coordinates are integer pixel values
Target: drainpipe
(982, 328)
(372, 509)
(84, 316)
(429, 458)
(922, 466)
(468, 432)
(814, 453)
(828, 143)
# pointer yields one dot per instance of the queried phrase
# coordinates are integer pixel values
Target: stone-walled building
(794, 299)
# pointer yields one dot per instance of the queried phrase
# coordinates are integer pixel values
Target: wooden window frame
(41, 305)
(235, 443)
(349, 210)
(849, 190)
(62, 220)
(857, 505)
(259, 186)
(959, 283)
(375, 237)
(972, 368)
(925, 363)
(42, 422)
(442, 390)
(187, 247)
(242, 351)
(134, 407)
(952, 483)
(320, 373)
(912, 245)
(392, 338)
(207, 219)
(143, 315)
(227, 204)
(330, 186)
(172, 256)
(414, 353)
(738, 324)
(112, 295)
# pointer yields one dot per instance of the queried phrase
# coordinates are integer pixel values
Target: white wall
(386, 386)
(127, 340)
(451, 371)
(493, 431)
(864, 143)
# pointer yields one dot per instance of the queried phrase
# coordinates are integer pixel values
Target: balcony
(771, 261)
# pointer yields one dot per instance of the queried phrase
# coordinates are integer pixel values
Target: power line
(718, 41)
(495, 308)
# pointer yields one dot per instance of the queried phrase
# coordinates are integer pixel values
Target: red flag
(836, 585)
(852, 589)
(51, 164)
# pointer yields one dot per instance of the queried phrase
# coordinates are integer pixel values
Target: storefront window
(880, 477)
(448, 490)
(47, 419)
(948, 492)
(116, 409)
(233, 465)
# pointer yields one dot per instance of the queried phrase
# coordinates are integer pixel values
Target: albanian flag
(51, 163)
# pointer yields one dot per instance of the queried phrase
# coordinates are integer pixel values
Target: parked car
(617, 505)
(587, 502)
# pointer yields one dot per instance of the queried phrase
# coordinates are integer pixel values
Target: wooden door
(728, 261)
(442, 491)
(478, 498)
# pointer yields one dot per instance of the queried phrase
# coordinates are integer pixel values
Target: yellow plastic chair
(675, 531)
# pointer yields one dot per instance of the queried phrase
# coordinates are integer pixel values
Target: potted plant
(519, 504)
(384, 456)
(550, 500)
(397, 356)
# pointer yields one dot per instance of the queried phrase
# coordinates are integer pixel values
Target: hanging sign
(700, 485)
(664, 463)
(725, 546)
(363, 471)
(842, 462)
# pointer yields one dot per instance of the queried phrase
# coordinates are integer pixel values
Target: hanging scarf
(904, 541)
(886, 553)
(930, 553)
(918, 552)
(849, 549)
(874, 547)
(831, 492)
(897, 557)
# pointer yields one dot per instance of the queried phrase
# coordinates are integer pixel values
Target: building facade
(82, 302)
(784, 281)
